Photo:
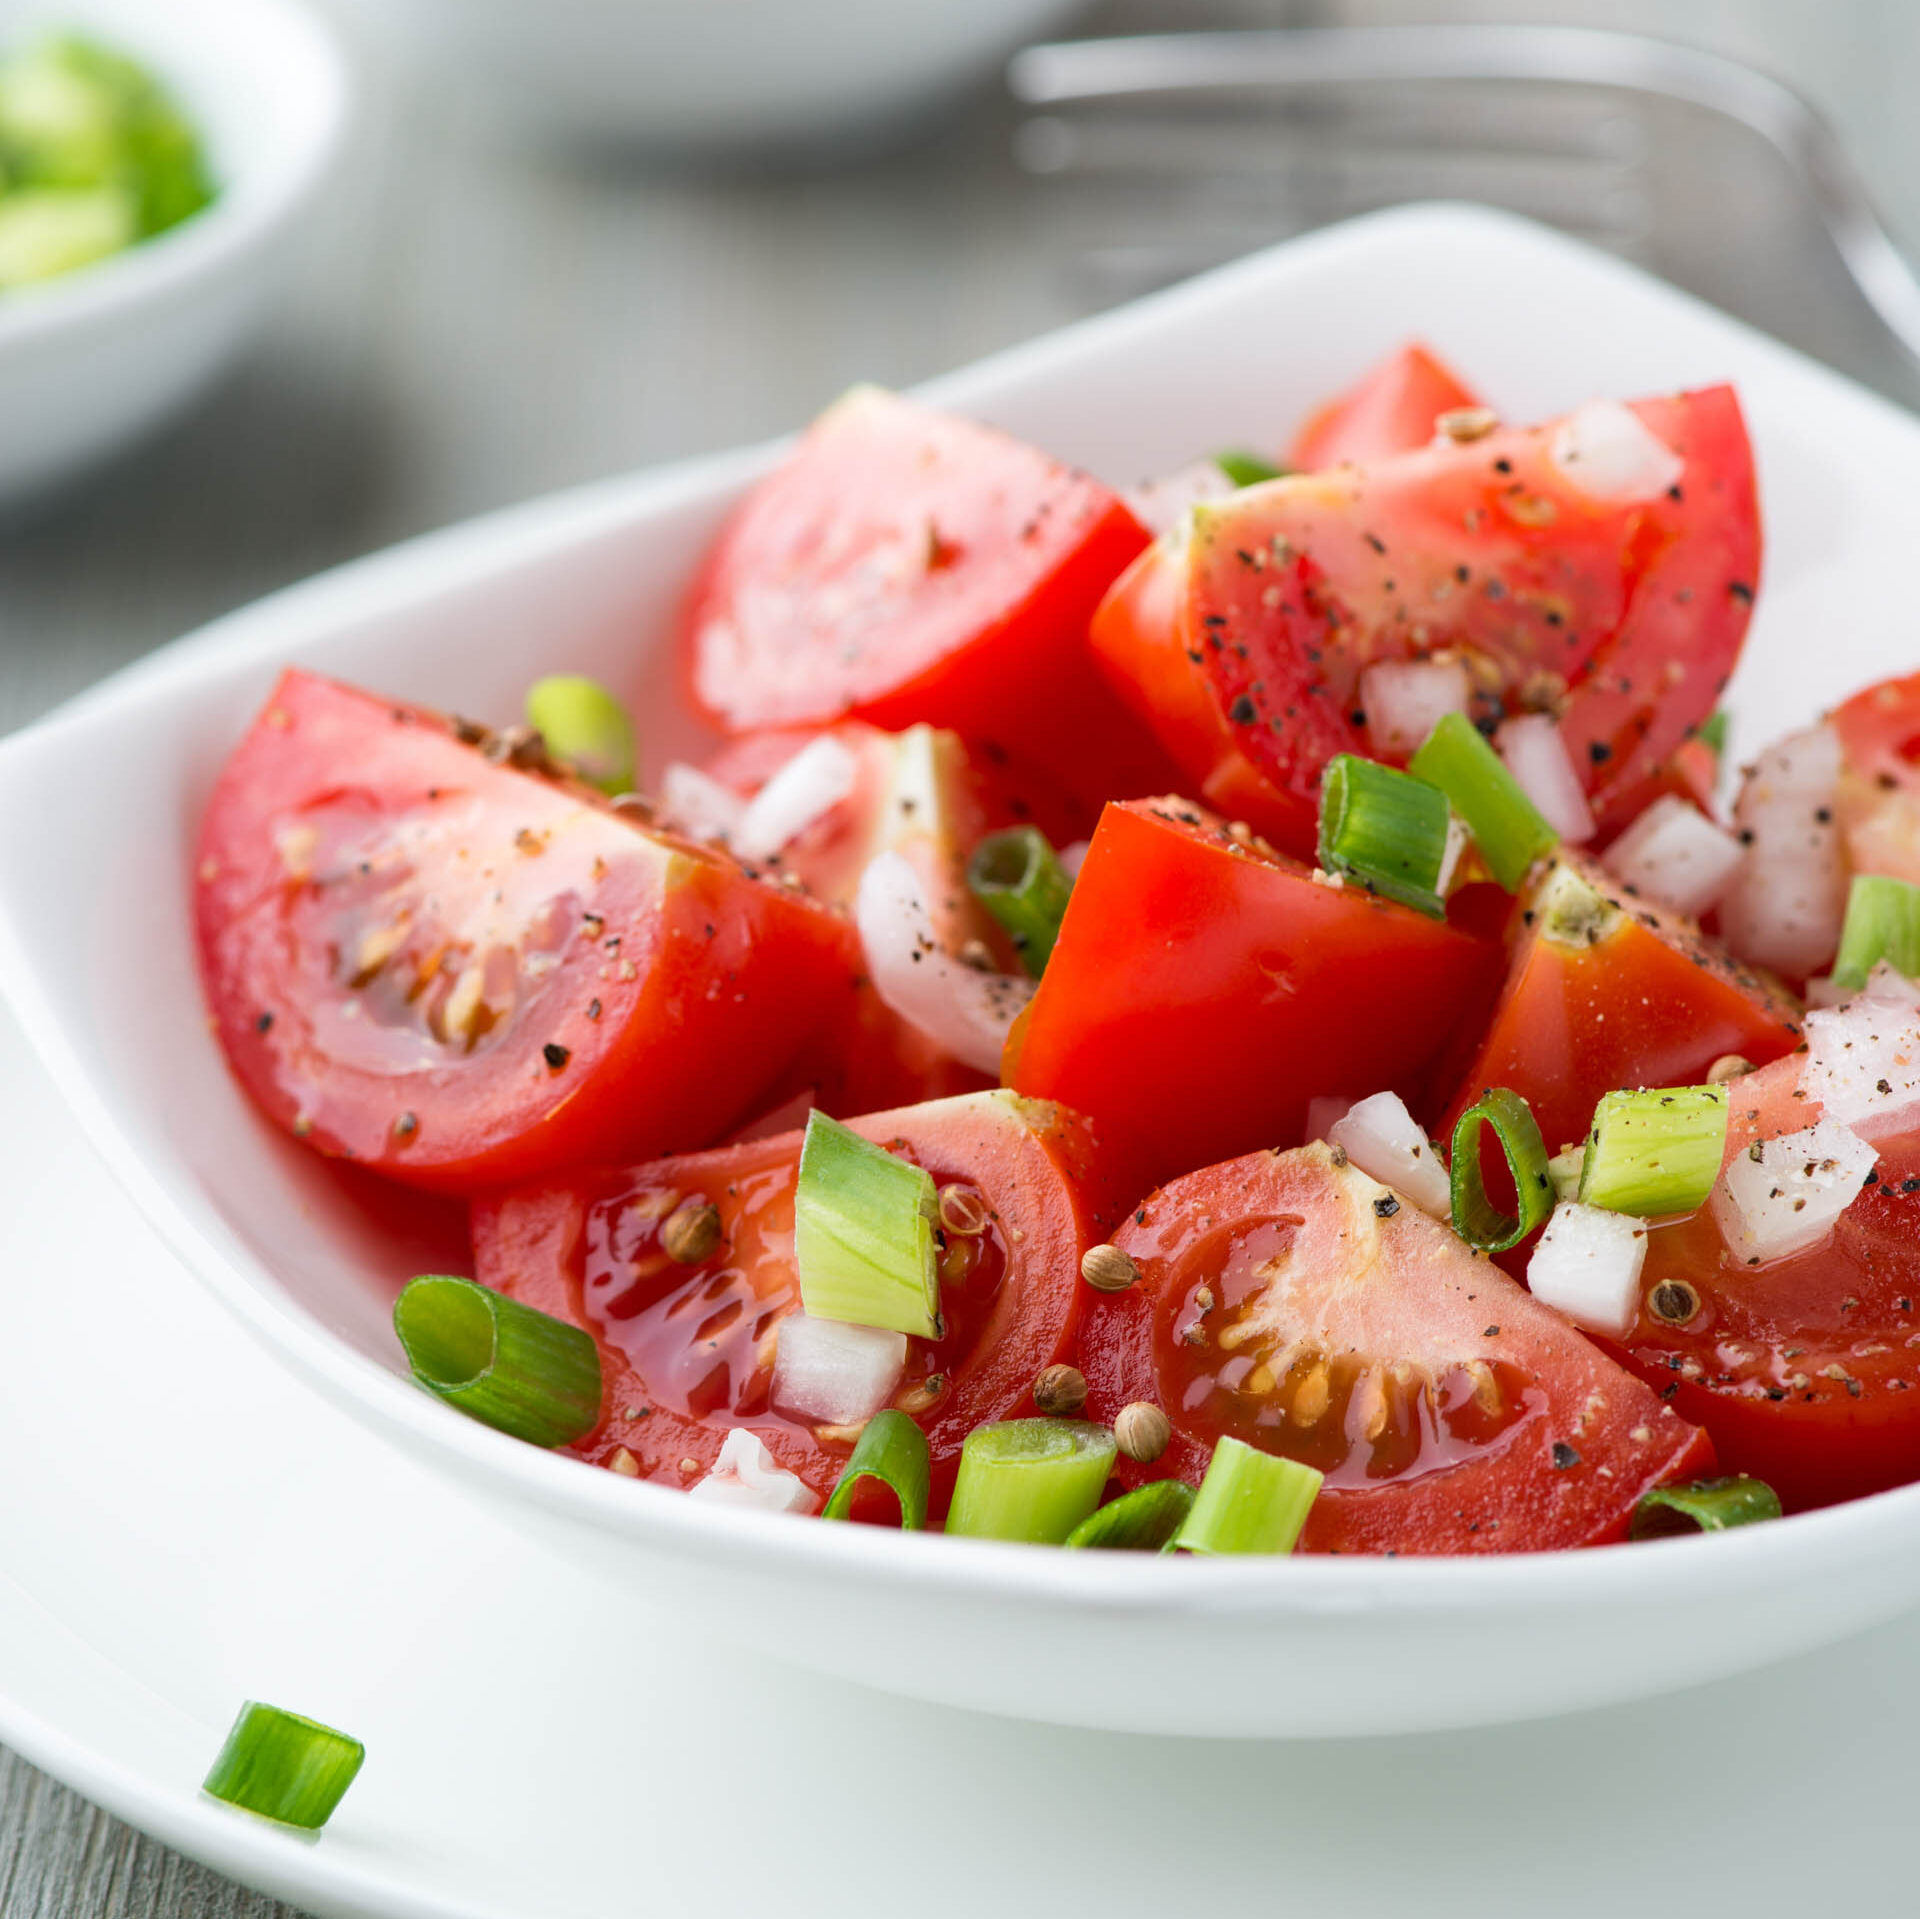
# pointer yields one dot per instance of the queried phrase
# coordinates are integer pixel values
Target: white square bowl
(101, 801)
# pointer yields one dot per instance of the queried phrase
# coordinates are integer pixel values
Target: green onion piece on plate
(583, 724)
(892, 1449)
(1712, 731)
(505, 1364)
(1882, 923)
(1031, 1479)
(1247, 469)
(1249, 1502)
(1384, 829)
(1707, 1506)
(1142, 1521)
(1655, 1151)
(1505, 824)
(1475, 1217)
(1017, 878)
(284, 1767)
(863, 1233)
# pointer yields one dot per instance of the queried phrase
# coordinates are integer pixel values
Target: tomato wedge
(1242, 644)
(1204, 989)
(1879, 795)
(1391, 411)
(1605, 991)
(460, 973)
(687, 1350)
(1805, 1370)
(904, 565)
(1290, 1301)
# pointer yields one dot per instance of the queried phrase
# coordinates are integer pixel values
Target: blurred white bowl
(707, 76)
(96, 359)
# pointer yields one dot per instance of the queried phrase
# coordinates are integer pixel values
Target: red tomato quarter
(1243, 646)
(1880, 778)
(1291, 1302)
(687, 1350)
(462, 974)
(904, 565)
(1391, 411)
(1204, 989)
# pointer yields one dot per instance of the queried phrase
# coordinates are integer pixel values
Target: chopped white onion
(1537, 757)
(1383, 1139)
(746, 1474)
(1159, 505)
(1609, 453)
(696, 804)
(807, 788)
(1072, 855)
(1783, 1195)
(1863, 1061)
(964, 1012)
(826, 1370)
(1675, 856)
(1885, 984)
(1784, 906)
(1587, 1266)
(1405, 699)
(1324, 1112)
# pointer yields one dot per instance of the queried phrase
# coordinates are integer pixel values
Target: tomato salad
(1224, 1017)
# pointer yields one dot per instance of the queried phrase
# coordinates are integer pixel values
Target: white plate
(94, 952)
(182, 1526)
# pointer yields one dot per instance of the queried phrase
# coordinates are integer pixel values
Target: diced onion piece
(826, 1370)
(806, 789)
(1609, 453)
(1888, 986)
(1785, 905)
(1863, 1061)
(696, 804)
(1383, 1139)
(1675, 856)
(1405, 699)
(746, 1474)
(1783, 1195)
(1459, 838)
(1587, 1264)
(1160, 505)
(1324, 1112)
(964, 1012)
(1537, 757)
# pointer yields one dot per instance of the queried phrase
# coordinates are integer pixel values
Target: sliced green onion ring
(1475, 1217)
(1247, 469)
(863, 1223)
(1707, 1506)
(1143, 1521)
(1016, 876)
(1031, 1479)
(1385, 830)
(1249, 1502)
(505, 1364)
(283, 1767)
(893, 1450)
(1505, 824)
(584, 725)
(1655, 1151)
(1882, 923)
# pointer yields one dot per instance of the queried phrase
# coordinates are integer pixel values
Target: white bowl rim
(243, 212)
(1651, 1575)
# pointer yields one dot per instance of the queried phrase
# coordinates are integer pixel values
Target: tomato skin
(677, 994)
(1649, 1002)
(1690, 773)
(1354, 1295)
(1624, 618)
(1391, 410)
(1039, 1167)
(1879, 796)
(1203, 991)
(905, 565)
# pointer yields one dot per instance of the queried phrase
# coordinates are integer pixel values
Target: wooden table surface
(476, 322)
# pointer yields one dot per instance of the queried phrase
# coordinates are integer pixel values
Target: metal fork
(1198, 146)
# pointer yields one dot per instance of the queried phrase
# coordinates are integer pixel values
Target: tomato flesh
(1391, 411)
(904, 565)
(461, 974)
(1243, 645)
(1879, 796)
(687, 1351)
(1204, 989)
(1287, 1300)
